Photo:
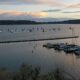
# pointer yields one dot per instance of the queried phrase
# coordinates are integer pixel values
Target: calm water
(12, 55)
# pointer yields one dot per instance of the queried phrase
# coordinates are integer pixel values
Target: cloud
(41, 2)
(52, 10)
(7, 2)
(71, 12)
(21, 15)
(58, 3)
(78, 15)
(17, 15)
(74, 5)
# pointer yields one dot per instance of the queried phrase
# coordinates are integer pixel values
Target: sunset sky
(30, 9)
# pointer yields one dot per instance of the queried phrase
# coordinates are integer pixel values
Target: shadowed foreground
(27, 72)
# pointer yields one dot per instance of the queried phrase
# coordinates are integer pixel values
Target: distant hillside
(12, 22)
(21, 22)
(77, 21)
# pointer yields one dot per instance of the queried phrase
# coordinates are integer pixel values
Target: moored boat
(59, 46)
(71, 48)
(48, 45)
(77, 52)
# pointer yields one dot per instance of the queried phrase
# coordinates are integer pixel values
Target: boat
(59, 46)
(77, 52)
(71, 48)
(49, 45)
(56, 46)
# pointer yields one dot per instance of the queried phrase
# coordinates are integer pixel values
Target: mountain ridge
(19, 22)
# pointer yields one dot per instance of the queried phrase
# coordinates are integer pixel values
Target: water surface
(12, 55)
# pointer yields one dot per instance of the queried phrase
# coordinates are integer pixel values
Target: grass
(27, 72)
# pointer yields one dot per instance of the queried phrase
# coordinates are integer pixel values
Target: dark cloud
(54, 10)
(41, 2)
(71, 12)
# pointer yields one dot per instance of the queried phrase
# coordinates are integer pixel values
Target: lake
(12, 55)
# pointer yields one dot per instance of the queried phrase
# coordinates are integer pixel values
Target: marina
(39, 39)
(67, 48)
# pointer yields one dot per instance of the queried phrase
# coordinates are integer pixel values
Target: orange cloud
(18, 13)
(12, 12)
(38, 14)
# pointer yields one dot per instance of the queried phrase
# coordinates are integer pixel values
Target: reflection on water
(14, 54)
(33, 53)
